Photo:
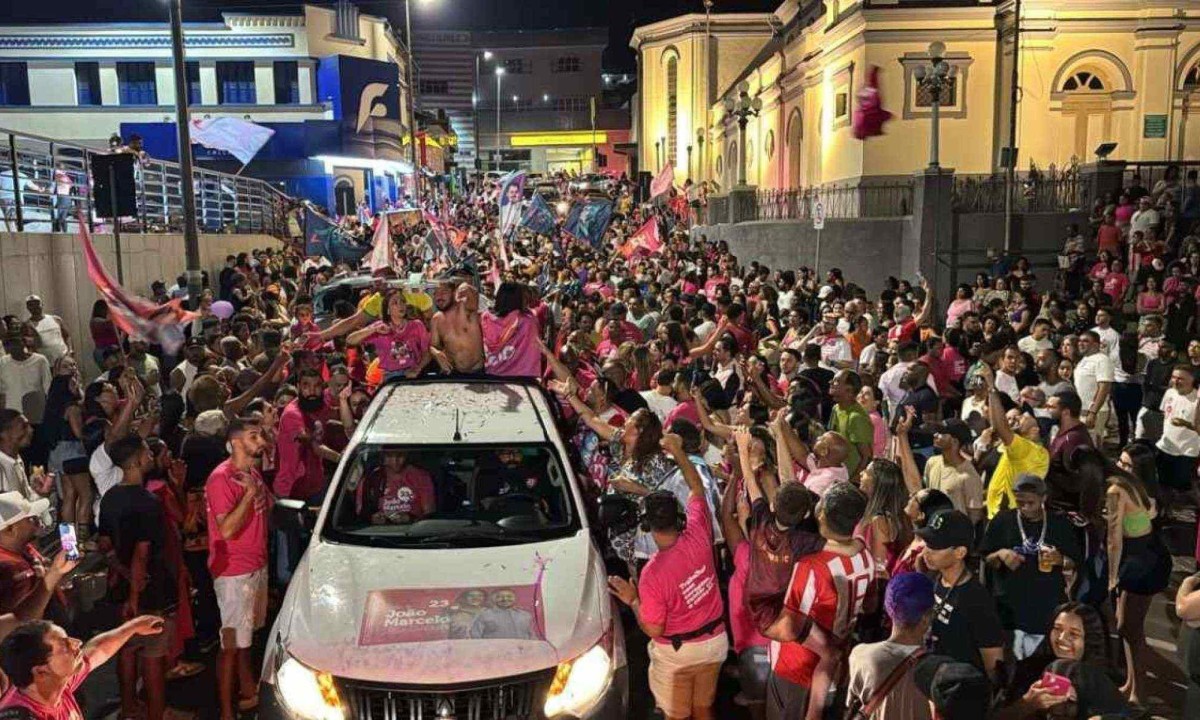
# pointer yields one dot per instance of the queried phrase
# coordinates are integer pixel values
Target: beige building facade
(1120, 71)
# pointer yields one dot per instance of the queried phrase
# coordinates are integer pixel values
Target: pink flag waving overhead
(663, 181)
(869, 116)
(135, 316)
(240, 138)
(646, 240)
(381, 247)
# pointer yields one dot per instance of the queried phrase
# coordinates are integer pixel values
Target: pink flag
(662, 182)
(645, 240)
(869, 116)
(135, 316)
(381, 248)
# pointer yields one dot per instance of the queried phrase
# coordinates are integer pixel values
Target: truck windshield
(452, 496)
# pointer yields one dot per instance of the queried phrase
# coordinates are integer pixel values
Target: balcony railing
(876, 200)
(1055, 189)
(45, 184)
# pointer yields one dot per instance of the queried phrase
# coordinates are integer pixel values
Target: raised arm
(707, 422)
(904, 453)
(999, 423)
(570, 392)
(672, 445)
(234, 407)
(923, 315)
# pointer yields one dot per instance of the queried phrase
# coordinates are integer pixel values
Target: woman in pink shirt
(401, 344)
(869, 397)
(963, 302)
(1150, 300)
(1116, 282)
(510, 335)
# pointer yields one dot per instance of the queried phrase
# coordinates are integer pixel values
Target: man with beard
(300, 447)
(456, 339)
(238, 506)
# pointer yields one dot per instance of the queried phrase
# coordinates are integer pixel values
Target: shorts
(155, 646)
(686, 678)
(242, 600)
(68, 458)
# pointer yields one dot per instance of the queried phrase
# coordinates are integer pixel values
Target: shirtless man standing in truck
(457, 338)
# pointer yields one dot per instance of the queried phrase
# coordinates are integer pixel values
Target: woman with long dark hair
(1139, 562)
(63, 428)
(510, 335)
(885, 529)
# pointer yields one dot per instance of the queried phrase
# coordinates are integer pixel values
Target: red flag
(869, 116)
(646, 240)
(135, 316)
(662, 182)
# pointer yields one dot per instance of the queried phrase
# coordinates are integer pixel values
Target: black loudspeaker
(643, 184)
(112, 182)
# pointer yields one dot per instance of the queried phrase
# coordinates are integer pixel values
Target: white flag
(240, 138)
(381, 246)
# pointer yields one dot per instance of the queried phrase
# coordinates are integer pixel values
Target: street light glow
(487, 54)
(499, 71)
(545, 97)
(514, 98)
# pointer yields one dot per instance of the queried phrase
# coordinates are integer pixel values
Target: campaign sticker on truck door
(471, 613)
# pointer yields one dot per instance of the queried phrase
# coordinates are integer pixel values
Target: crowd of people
(853, 499)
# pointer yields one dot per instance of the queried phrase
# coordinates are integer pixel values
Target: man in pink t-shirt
(406, 493)
(238, 503)
(299, 447)
(676, 600)
(46, 666)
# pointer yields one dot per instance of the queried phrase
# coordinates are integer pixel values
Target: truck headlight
(579, 683)
(308, 694)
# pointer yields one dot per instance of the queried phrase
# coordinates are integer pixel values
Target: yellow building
(1123, 71)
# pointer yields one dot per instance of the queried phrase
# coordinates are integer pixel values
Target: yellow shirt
(1023, 456)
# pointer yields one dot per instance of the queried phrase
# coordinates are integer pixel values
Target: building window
(571, 104)
(948, 98)
(841, 105)
(287, 82)
(235, 83)
(14, 83)
(516, 66)
(568, 64)
(434, 87)
(672, 109)
(192, 69)
(345, 21)
(87, 83)
(136, 84)
(1083, 82)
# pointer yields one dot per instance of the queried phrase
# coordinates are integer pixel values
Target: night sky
(620, 16)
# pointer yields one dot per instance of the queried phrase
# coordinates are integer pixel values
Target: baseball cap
(194, 342)
(824, 292)
(14, 507)
(956, 429)
(948, 529)
(957, 689)
(1028, 482)
(33, 298)
(975, 382)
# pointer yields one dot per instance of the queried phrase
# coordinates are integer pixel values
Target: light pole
(702, 166)
(657, 157)
(689, 154)
(412, 114)
(191, 238)
(499, 74)
(935, 77)
(743, 108)
(487, 55)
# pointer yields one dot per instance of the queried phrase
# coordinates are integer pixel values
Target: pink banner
(663, 181)
(511, 612)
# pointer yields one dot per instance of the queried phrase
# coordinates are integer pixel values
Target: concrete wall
(51, 265)
(867, 250)
(979, 239)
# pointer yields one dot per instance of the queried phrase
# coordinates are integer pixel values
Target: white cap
(14, 507)
(824, 292)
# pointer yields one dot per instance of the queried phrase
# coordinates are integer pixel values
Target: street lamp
(689, 153)
(657, 156)
(191, 237)
(487, 55)
(935, 77)
(701, 165)
(743, 107)
(499, 74)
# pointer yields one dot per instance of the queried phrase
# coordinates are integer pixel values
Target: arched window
(1084, 81)
(795, 135)
(1193, 77)
(672, 109)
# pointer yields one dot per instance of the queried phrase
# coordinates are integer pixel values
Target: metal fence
(876, 200)
(45, 184)
(1055, 189)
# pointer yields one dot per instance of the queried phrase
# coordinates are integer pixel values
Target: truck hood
(350, 610)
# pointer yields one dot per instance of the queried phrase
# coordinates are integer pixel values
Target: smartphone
(70, 544)
(1056, 684)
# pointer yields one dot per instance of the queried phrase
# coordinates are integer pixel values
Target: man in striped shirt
(825, 596)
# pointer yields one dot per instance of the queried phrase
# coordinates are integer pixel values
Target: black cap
(194, 342)
(957, 689)
(956, 429)
(1028, 482)
(948, 529)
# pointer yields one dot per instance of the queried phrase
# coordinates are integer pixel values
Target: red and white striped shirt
(830, 589)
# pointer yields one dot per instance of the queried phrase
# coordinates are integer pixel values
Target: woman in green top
(1138, 561)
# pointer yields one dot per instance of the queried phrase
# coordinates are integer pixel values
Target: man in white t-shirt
(1145, 219)
(1006, 373)
(661, 398)
(835, 348)
(1093, 381)
(1179, 446)
(1038, 338)
(24, 379)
